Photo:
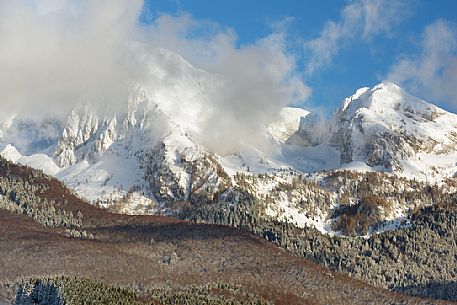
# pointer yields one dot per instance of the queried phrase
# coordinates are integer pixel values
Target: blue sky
(366, 47)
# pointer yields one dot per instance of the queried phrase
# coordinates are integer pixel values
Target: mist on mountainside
(57, 55)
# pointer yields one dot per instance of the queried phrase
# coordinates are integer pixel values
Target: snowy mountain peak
(387, 128)
(389, 101)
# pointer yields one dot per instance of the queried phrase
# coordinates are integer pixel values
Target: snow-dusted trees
(22, 196)
(59, 290)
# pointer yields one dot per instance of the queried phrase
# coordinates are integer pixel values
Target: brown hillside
(151, 251)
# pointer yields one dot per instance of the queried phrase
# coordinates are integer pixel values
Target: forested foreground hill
(52, 244)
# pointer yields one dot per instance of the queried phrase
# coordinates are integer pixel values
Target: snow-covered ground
(38, 161)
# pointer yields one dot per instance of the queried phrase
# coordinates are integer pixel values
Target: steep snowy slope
(286, 124)
(10, 153)
(100, 155)
(148, 153)
(388, 129)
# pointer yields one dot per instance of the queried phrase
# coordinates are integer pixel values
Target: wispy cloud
(432, 72)
(361, 19)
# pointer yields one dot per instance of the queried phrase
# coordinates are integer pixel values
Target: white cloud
(257, 81)
(432, 72)
(249, 84)
(361, 19)
(53, 53)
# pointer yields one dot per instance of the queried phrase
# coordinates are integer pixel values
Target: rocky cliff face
(87, 134)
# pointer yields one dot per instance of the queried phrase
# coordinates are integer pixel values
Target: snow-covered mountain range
(151, 156)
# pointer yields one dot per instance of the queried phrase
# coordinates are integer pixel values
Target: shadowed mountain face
(150, 251)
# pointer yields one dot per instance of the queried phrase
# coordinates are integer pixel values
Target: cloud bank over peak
(242, 89)
(53, 54)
